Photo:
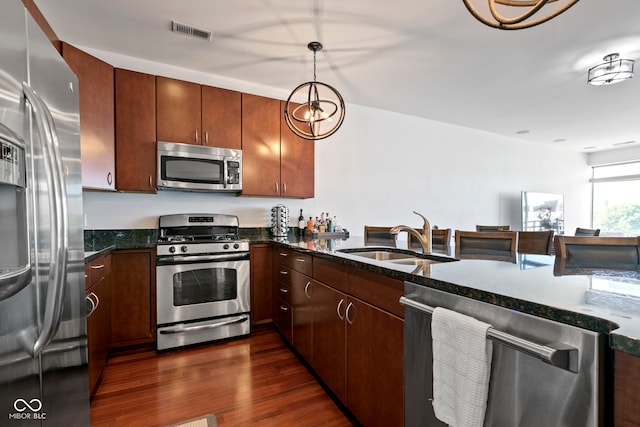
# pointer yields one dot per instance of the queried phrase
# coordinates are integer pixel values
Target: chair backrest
(612, 252)
(440, 239)
(493, 227)
(485, 242)
(587, 232)
(374, 235)
(535, 242)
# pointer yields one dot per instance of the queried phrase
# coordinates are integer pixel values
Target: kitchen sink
(396, 256)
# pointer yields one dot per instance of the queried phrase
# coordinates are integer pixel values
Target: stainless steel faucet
(424, 238)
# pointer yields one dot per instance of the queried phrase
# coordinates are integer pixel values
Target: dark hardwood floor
(243, 382)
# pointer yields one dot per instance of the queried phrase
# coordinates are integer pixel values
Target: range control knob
(236, 246)
(225, 246)
(172, 249)
(183, 249)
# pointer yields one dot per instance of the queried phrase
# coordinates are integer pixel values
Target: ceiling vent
(177, 27)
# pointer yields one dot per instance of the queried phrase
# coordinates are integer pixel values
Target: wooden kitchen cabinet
(302, 305)
(97, 274)
(275, 161)
(133, 297)
(135, 121)
(297, 157)
(329, 338)
(190, 113)
(626, 390)
(221, 117)
(261, 283)
(375, 365)
(178, 110)
(260, 146)
(96, 94)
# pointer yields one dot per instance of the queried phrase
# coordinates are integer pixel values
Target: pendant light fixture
(314, 110)
(612, 70)
(515, 21)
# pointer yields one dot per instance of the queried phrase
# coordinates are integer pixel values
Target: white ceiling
(428, 58)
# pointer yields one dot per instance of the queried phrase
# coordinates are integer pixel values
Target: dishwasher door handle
(557, 354)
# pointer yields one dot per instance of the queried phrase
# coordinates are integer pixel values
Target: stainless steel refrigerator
(43, 354)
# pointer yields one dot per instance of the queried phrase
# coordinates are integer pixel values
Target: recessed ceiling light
(523, 132)
(588, 148)
(559, 140)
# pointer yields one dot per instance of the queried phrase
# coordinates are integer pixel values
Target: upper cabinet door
(221, 118)
(296, 162)
(135, 131)
(260, 146)
(178, 111)
(97, 140)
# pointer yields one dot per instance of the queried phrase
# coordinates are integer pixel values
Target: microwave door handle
(58, 221)
(13, 280)
(225, 172)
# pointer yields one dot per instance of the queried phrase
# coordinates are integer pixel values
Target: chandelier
(612, 70)
(322, 111)
(517, 21)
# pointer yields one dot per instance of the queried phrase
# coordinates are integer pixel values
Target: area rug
(204, 421)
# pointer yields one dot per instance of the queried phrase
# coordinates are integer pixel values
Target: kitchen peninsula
(532, 284)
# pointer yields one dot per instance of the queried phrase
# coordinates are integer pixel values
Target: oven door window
(204, 171)
(204, 286)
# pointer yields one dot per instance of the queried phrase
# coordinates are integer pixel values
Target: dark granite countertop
(606, 301)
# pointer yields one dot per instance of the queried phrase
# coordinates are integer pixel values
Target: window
(616, 199)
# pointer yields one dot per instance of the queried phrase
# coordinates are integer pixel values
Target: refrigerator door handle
(58, 218)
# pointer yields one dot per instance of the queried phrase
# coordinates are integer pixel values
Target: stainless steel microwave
(198, 167)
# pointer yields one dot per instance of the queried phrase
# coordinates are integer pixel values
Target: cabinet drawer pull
(284, 308)
(346, 313)
(284, 188)
(283, 254)
(284, 290)
(97, 267)
(284, 272)
(300, 259)
(338, 309)
(206, 137)
(196, 135)
(277, 191)
(150, 181)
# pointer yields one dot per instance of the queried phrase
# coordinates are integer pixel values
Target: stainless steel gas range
(202, 280)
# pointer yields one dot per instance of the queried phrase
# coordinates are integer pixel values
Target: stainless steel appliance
(43, 355)
(202, 280)
(543, 373)
(198, 167)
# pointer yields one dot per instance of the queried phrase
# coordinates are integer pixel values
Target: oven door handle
(179, 329)
(202, 258)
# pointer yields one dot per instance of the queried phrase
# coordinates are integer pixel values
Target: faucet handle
(426, 226)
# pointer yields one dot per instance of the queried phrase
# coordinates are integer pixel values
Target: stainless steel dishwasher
(543, 373)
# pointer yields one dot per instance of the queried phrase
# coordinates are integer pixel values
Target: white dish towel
(461, 368)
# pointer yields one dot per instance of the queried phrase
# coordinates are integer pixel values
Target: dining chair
(587, 232)
(440, 240)
(374, 235)
(612, 252)
(485, 242)
(493, 227)
(535, 242)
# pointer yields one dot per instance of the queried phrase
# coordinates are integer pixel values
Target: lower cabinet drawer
(283, 318)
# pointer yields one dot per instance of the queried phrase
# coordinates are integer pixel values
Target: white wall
(377, 169)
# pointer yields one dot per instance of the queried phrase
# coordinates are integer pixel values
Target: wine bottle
(301, 223)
